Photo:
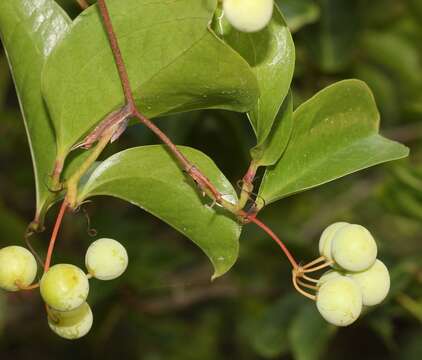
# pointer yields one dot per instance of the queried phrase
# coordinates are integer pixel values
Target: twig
(56, 229)
(203, 182)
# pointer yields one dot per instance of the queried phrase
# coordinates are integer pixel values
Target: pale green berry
(339, 301)
(374, 283)
(64, 287)
(327, 237)
(353, 248)
(106, 259)
(248, 15)
(72, 324)
(330, 274)
(18, 268)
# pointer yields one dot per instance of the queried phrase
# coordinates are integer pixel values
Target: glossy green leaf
(272, 148)
(150, 178)
(335, 133)
(309, 334)
(271, 54)
(174, 62)
(299, 13)
(29, 32)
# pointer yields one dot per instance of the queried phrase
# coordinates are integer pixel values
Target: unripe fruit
(339, 301)
(64, 287)
(72, 324)
(330, 274)
(106, 259)
(248, 15)
(374, 283)
(18, 268)
(353, 248)
(327, 236)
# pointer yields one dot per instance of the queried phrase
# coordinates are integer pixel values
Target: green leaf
(29, 31)
(271, 54)
(299, 13)
(272, 148)
(150, 178)
(335, 133)
(309, 334)
(174, 62)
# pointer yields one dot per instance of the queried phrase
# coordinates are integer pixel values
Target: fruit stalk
(56, 229)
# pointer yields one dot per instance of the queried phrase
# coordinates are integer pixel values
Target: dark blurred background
(165, 307)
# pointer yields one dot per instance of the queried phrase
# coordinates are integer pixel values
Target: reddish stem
(275, 238)
(124, 77)
(197, 176)
(56, 229)
(250, 173)
(203, 182)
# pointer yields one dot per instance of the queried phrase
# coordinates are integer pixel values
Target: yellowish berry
(339, 301)
(106, 259)
(330, 274)
(18, 268)
(353, 248)
(64, 287)
(72, 324)
(327, 238)
(374, 283)
(248, 15)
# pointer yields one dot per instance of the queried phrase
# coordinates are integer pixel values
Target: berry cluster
(357, 277)
(64, 287)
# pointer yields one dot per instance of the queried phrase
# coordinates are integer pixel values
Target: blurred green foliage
(165, 307)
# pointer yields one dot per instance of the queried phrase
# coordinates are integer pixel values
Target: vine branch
(198, 177)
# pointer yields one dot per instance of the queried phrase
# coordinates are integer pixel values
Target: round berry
(328, 275)
(374, 283)
(18, 268)
(248, 15)
(64, 287)
(327, 237)
(106, 259)
(353, 248)
(339, 301)
(72, 324)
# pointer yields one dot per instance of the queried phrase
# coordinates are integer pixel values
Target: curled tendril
(92, 232)
(29, 232)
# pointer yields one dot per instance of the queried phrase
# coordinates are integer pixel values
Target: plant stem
(203, 182)
(121, 67)
(247, 185)
(72, 183)
(286, 251)
(56, 229)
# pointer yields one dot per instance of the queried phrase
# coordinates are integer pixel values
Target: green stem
(72, 183)
(247, 185)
